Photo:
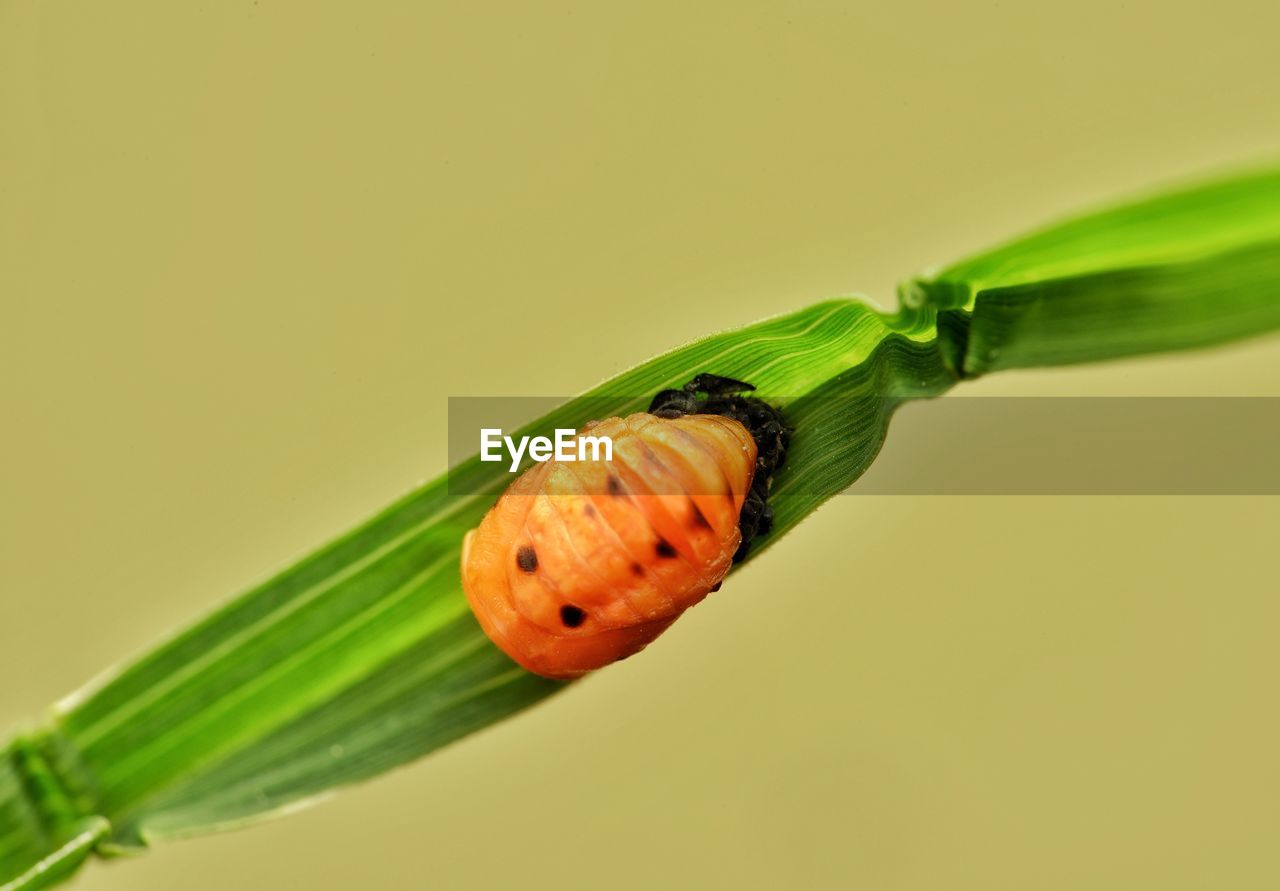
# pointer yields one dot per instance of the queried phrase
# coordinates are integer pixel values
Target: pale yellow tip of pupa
(466, 546)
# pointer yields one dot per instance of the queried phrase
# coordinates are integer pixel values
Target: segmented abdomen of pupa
(582, 563)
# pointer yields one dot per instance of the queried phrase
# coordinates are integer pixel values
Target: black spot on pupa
(615, 486)
(716, 587)
(637, 569)
(572, 616)
(699, 521)
(527, 559)
(589, 510)
(663, 548)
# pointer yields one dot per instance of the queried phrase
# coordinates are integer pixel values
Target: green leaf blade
(1191, 268)
(364, 656)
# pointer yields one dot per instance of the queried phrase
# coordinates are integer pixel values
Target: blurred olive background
(247, 249)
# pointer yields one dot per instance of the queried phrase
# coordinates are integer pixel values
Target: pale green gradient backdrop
(248, 249)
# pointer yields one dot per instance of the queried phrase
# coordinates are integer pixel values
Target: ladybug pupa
(580, 564)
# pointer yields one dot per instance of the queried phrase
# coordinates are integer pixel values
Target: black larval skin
(711, 394)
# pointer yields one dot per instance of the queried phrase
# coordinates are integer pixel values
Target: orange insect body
(582, 563)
